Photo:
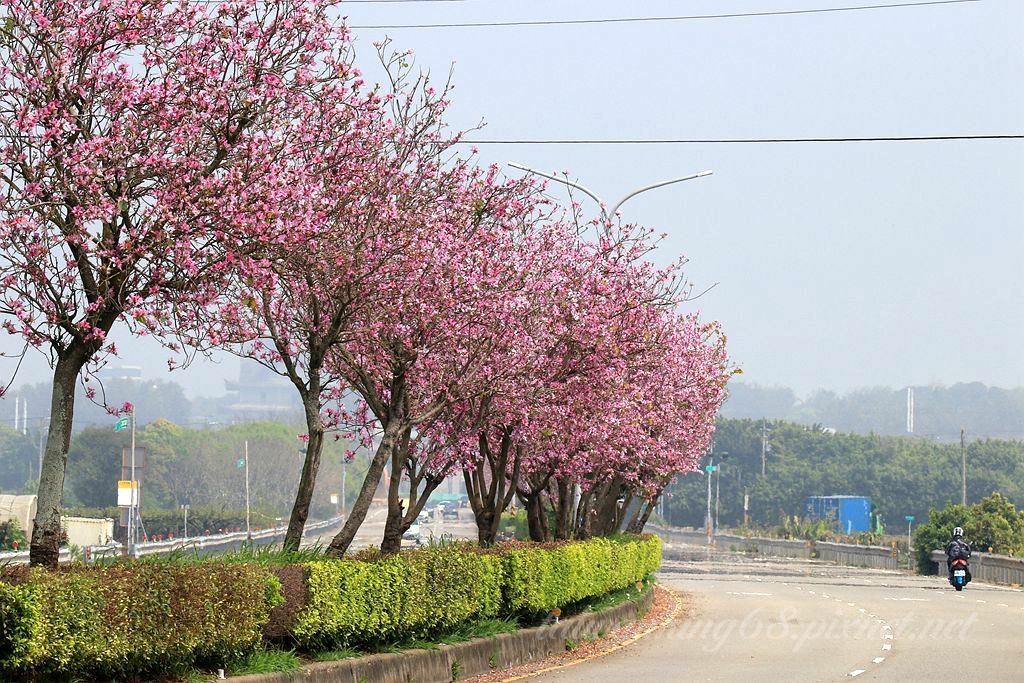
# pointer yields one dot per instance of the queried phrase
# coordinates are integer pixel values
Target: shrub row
(149, 617)
(131, 618)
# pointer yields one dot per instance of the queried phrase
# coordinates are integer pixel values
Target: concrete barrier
(988, 567)
(463, 660)
(847, 554)
(850, 555)
(775, 547)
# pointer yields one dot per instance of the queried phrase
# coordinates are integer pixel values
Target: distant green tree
(94, 465)
(997, 525)
(19, 458)
(936, 532)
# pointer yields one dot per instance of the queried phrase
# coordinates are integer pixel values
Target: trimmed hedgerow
(143, 618)
(541, 579)
(140, 617)
(423, 592)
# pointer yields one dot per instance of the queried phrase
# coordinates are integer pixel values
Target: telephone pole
(963, 469)
(764, 445)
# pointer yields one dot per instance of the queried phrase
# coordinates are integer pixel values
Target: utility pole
(133, 511)
(248, 529)
(718, 476)
(963, 469)
(710, 469)
(764, 445)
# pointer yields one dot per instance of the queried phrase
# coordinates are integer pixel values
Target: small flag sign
(121, 424)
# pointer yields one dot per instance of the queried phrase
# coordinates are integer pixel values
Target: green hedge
(540, 579)
(410, 595)
(132, 618)
(418, 593)
(156, 617)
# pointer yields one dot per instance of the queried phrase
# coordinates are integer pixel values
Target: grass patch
(265, 662)
(274, 556)
(484, 628)
(335, 655)
(612, 599)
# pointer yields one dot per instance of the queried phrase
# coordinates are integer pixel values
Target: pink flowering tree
(589, 418)
(517, 276)
(359, 191)
(435, 329)
(133, 133)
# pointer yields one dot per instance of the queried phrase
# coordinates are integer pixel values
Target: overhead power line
(691, 17)
(385, 2)
(721, 141)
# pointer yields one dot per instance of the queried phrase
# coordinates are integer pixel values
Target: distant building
(850, 514)
(120, 372)
(260, 394)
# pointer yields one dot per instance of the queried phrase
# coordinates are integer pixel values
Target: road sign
(709, 468)
(909, 518)
(127, 493)
(240, 463)
(121, 424)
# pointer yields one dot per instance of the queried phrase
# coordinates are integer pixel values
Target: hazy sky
(834, 265)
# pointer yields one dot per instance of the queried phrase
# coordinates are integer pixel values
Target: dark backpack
(958, 550)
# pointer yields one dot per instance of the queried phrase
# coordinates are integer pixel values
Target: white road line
(981, 601)
(857, 672)
(888, 636)
(878, 660)
(886, 647)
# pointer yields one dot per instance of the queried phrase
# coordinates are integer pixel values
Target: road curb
(464, 660)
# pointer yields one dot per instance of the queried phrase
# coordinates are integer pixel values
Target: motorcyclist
(957, 548)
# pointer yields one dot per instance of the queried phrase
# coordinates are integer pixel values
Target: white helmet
(958, 532)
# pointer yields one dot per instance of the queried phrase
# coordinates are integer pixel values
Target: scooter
(959, 576)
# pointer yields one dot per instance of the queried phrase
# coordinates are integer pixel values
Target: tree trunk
(307, 481)
(394, 526)
(536, 518)
(44, 549)
(564, 522)
(341, 542)
(636, 525)
(489, 485)
(401, 518)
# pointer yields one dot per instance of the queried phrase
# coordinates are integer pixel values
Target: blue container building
(852, 514)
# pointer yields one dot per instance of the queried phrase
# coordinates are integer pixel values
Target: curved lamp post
(607, 215)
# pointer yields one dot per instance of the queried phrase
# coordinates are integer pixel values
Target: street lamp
(606, 216)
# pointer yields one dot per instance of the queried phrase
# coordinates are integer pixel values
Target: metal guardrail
(988, 567)
(203, 545)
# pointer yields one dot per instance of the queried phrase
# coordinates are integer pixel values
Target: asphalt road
(371, 531)
(755, 619)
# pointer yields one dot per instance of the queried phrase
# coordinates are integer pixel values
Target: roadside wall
(878, 557)
(988, 567)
